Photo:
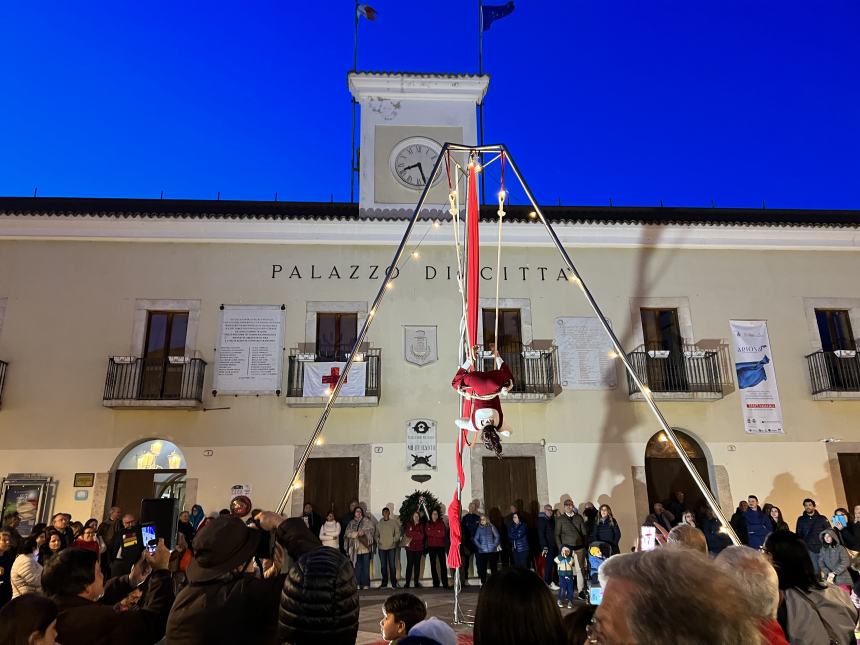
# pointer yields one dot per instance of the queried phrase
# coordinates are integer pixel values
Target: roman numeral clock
(412, 160)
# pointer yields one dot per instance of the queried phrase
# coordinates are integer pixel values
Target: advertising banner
(756, 377)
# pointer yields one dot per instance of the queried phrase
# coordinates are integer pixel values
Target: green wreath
(412, 503)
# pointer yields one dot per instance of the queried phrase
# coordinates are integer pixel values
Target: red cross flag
(367, 11)
(321, 378)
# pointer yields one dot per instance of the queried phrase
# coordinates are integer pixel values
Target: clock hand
(421, 170)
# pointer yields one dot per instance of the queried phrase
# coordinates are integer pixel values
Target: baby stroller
(598, 552)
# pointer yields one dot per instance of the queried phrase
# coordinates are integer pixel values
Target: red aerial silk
(473, 280)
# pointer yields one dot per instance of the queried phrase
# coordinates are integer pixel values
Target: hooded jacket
(833, 558)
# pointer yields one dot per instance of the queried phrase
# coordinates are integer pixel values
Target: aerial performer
(484, 388)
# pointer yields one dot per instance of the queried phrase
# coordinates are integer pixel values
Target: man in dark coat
(809, 528)
(546, 541)
(677, 507)
(312, 519)
(469, 524)
(73, 579)
(758, 524)
(739, 522)
(60, 521)
(126, 547)
(111, 526)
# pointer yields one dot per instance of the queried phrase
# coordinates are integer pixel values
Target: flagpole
(352, 151)
(480, 72)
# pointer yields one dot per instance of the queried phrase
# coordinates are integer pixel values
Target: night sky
(691, 103)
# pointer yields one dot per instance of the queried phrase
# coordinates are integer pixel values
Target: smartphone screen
(841, 520)
(595, 595)
(647, 538)
(149, 539)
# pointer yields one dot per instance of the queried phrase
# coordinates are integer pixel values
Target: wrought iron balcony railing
(535, 370)
(687, 369)
(134, 379)
(296, 377)
(3, 366)
(837, 371)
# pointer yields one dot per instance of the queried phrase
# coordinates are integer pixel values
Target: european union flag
(491, 13)
(752, 373)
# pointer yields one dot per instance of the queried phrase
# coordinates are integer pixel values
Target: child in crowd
(564, 564)
(401, 612)
(833, 560)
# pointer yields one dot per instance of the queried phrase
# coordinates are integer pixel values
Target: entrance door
(331, 483)
(665, 473)
(510, 481)
(131, 486)
(849, 464)
(165, 337)
(509, 341)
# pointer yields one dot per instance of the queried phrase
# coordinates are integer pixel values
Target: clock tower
(405, 119)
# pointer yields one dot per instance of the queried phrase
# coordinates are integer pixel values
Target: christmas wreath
(418, 501)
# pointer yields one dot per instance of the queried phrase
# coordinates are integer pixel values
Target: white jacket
(26, 575)
(330, 533)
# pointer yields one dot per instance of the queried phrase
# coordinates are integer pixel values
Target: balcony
(3, 366)
(311, 377)
(834, 375)
(691, 373)
(535, 369)
(174, 382)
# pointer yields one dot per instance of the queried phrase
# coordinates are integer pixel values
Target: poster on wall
(756, 377)
(421, 444)
(584, 354)
(27, 497)
(250, 354)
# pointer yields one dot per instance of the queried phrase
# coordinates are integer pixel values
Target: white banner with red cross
(320, 379)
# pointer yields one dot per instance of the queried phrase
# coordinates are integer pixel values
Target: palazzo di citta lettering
(431, 272)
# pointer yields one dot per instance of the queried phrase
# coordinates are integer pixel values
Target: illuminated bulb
(319, 441)
(502, 194)
(646, 391)
(613, 355)
(389, 285)
(436, 224)
(329, 391)
(298, 484)
(573, 279)
(532, 214)
(372, 311)
(662, 438)
(415, 254)
(477, 167)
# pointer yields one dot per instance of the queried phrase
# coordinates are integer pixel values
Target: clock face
(412, 161)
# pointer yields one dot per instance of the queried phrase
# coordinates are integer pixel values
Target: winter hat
(487, 414)
(225, 544)
(433, 630)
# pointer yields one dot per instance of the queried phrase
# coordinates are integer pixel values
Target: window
(664, 356)
(336, 334)
(834, 329)
(165, 337)
(660, 329)
(510, 330)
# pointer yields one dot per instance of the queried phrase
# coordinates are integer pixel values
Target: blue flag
(491, 13)
(752, 373)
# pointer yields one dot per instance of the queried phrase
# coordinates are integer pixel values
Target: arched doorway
(150, 469)
(665, 473)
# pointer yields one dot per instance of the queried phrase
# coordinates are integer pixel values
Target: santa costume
(487, 417)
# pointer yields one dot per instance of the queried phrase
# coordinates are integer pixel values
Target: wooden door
(849, 465)
(132, 486)
(331, 483)
(510, 481)
(165, 337)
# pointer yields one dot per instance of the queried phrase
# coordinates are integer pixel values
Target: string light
(298, 484)
(389, 285)
(532, 214)
(415, 255)
(646, 390)
(319, 441)
(573, 278)
(613, 355)
(502, 195)
(436, 224)
(370, 314)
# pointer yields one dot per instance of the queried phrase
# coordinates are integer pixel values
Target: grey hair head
(756, 576)
(668, 578)
(688, 537)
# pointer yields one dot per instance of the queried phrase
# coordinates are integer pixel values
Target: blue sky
(685, 102)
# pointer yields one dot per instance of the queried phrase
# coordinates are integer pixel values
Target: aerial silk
(473, 278)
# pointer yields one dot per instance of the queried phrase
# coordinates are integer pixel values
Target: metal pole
(619, 350)
(361, 336)
(352, 151)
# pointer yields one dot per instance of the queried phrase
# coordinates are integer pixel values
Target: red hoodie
(415, 533)
(436, 532)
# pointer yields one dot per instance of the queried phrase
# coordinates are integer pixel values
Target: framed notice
(84, 480)
(250, 354)
(584, 354)
(421, 444)
(753, 359)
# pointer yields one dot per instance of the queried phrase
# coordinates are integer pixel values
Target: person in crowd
(710, 525)
(111, 526)
(87, 540)
(777, 523)
(546, 542)
(186, 529)
(576, 623)
(468, 525)
(809, 527)
(400, 613)
(30, 620)
(437, 536)
(688, 518)
(319, 601)
(570, 531)
(565, 565)
(11, 521)
(388, 536)
(26, 574)
(677, 507)
(518, 536)
(126, 547)
(833, 561)
(809, 612)
(642, 590)
(196, 516)
(758, 524)
(487, 548)
(414, 534)
(344, 522)
(606, 529)
(689, 537)
(358, 540)
(739, 522)
(7, 559)
(660, 517)
(850, 533)
(516, 607)
(60, 522)
(757, 578)
(52, 546)
(589, 519)
(431, 631)
(77, 530)
(73, 579)
(312, 518)
(330, 532)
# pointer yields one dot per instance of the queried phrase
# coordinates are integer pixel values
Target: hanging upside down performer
(484, 388)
